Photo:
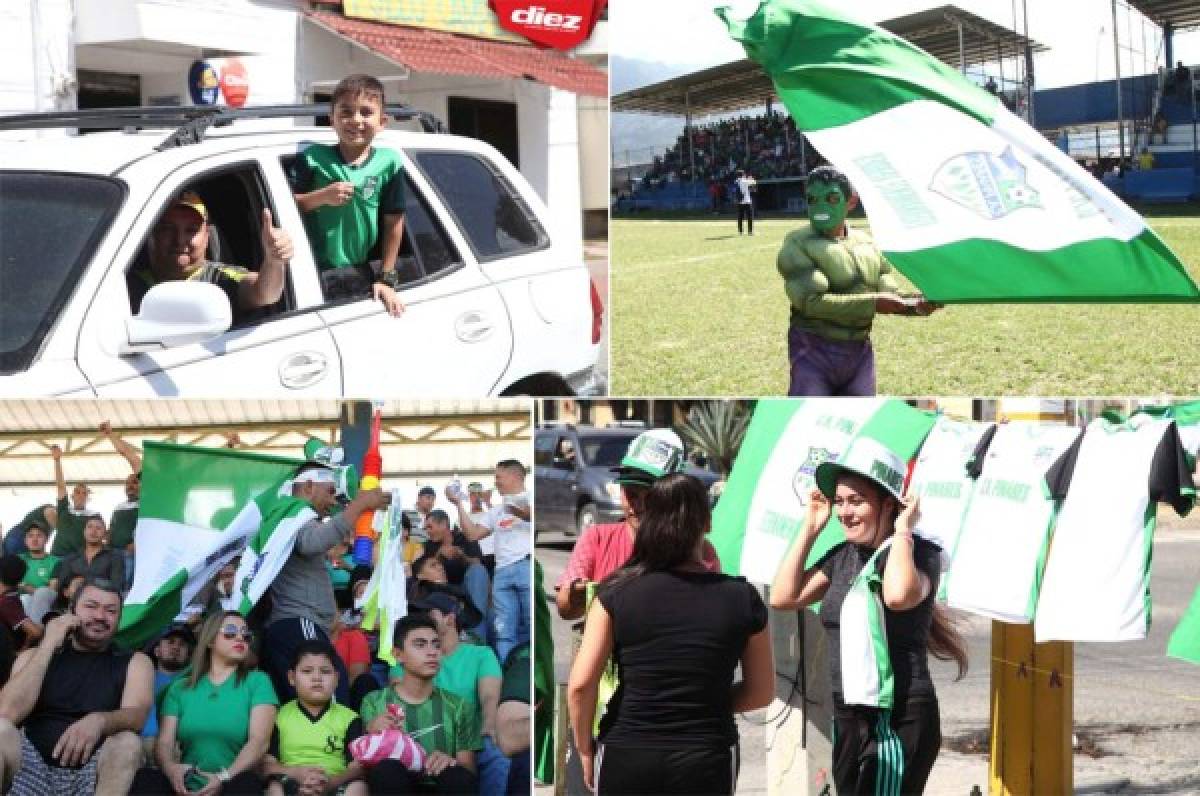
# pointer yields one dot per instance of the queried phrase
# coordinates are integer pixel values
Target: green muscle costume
(825, 280)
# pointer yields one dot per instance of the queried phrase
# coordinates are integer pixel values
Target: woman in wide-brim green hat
(877, 593)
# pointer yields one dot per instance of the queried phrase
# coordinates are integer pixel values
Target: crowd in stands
(766, 146)
(294, 697)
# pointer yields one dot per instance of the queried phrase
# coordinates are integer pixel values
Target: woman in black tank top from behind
(676, 633)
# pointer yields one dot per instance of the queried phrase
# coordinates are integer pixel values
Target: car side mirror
(178, 313)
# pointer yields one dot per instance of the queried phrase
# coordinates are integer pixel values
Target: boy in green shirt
(39, 564)
(349, 192)
(310, 745)
(442, 723)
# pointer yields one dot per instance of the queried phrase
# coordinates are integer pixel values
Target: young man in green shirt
(73, 515)
(310, 744)
(443, 724)
(124, 517)
(470, 671)
(39, 564)
(348, 193)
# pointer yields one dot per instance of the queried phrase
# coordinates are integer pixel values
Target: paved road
(1137, 712)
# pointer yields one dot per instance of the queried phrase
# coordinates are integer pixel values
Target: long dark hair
(945, 641)
(675, 515)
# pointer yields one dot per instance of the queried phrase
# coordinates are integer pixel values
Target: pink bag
(376, 747)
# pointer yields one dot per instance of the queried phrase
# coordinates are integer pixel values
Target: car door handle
(303, 369)
(473, 327)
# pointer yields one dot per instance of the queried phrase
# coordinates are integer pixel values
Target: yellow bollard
(1032, 685)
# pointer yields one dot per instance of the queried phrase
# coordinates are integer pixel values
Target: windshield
(49, 227)
(606, 451)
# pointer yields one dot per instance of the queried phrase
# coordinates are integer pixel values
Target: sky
(1078, 33)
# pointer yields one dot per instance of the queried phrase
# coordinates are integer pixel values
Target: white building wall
(37, 60)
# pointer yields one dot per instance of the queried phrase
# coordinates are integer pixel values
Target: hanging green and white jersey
(1097, 580)
(941, 480)
(1187, 419)
(765, 501)
(997, 563)
(867, 675)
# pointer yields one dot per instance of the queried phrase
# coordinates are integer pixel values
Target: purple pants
(829, 367)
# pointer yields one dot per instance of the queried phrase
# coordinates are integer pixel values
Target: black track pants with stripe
(885, 752)
(628, 770)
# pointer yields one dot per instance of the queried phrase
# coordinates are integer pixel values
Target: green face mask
(827, 205)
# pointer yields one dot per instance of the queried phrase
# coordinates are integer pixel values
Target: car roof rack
(189, 121)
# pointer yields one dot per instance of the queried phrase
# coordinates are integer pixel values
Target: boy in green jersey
(349, 192)
(40, 564)
(309, 747)
(445, 726)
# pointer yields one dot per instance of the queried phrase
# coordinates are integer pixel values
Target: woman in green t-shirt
(221, 714)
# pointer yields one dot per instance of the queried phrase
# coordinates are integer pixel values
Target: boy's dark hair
(12, 570)
(354, 85)
(830, 174)
(408, 624)
(514, 465)
(313, 646)
(420, 563)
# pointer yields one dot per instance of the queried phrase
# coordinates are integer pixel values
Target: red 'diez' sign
(235, 84)
(561, 24)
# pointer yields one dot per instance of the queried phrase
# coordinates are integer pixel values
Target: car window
(233, 198)
(50, 225)
(426, 251)
(496, 221)
(604, 451)
(543, 450)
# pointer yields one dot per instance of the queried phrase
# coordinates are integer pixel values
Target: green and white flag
(765, 501)
(964, 198)
(199, 506)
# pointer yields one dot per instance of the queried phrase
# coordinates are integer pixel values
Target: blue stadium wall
(1092, 103)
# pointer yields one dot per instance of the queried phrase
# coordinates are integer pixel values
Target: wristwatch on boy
(389, 278)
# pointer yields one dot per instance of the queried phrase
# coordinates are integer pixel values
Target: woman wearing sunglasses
(221, 714)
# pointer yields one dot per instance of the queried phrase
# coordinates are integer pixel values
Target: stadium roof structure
(1176, 13)
(950, 34)
(417, 438)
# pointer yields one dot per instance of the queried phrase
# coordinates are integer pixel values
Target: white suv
(496, 304)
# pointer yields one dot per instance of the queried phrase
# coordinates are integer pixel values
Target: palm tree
(716, 429)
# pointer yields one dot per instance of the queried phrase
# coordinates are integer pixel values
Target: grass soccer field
(698, 310)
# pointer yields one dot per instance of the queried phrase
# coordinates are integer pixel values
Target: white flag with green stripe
(199, 506)
(765, 501)
(964, 198)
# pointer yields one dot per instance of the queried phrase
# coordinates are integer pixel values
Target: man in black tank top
(70, 714)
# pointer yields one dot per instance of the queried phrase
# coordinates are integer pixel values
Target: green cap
(868, 458)
(652, 455)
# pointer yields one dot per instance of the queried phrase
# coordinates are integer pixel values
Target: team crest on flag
(986, 184)
(802, 481)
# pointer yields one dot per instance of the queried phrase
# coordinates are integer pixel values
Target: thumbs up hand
(277, 243)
